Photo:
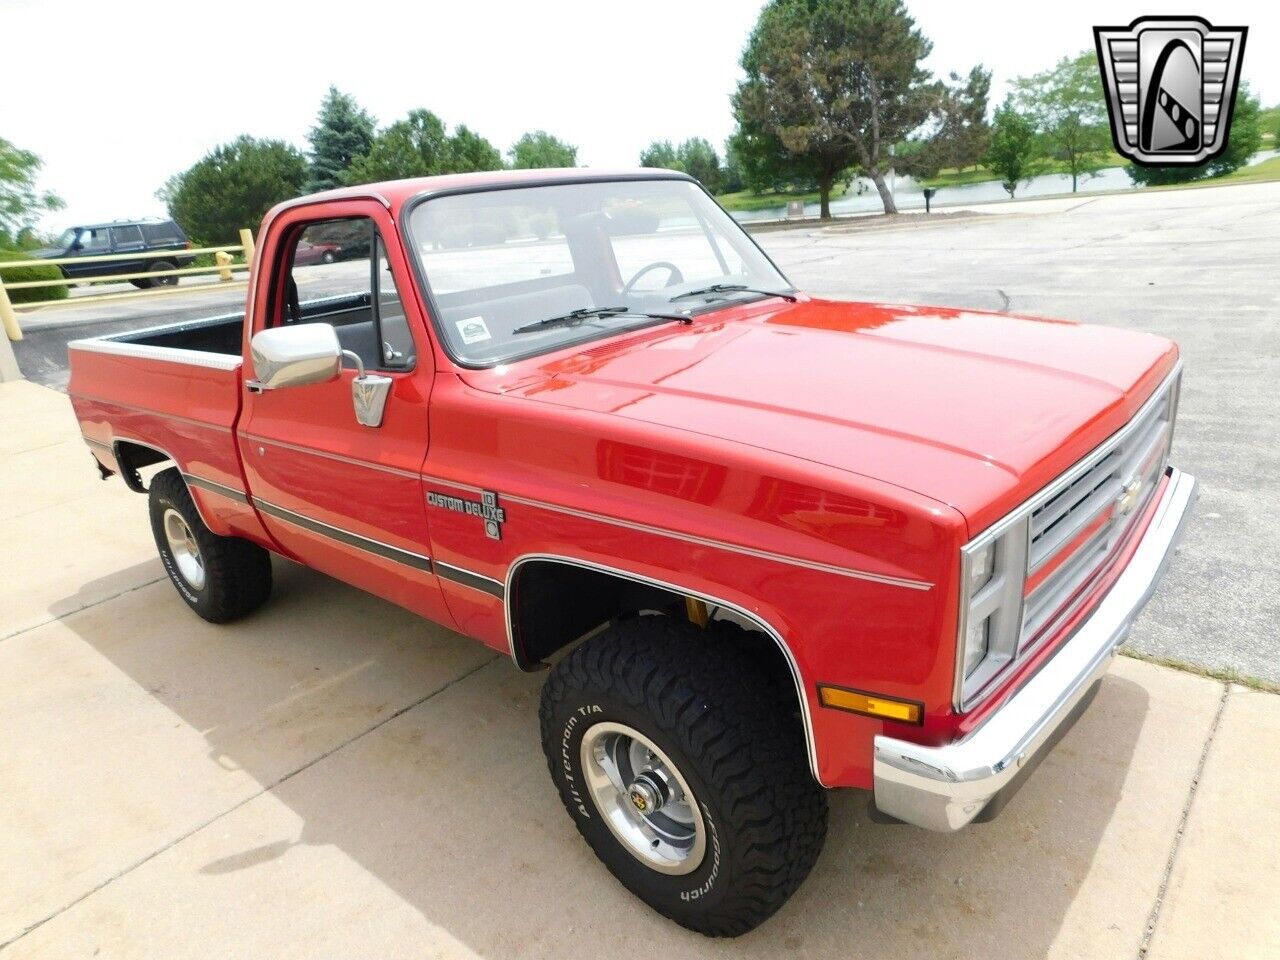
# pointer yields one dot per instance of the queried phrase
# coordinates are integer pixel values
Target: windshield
(499, 261)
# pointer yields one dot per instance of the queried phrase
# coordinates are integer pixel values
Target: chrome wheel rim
(183, 547)
(643, 798)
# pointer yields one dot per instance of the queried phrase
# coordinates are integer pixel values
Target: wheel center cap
(647, 792)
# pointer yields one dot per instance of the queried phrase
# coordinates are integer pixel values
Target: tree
(840, 80)
(468, 152)
(540, 149)
(698, 158)
(960, 137)
(1244, 139)
(21, 204)
(965, 131)
(233, 186)
(695, 156)
(731, 179)
(765, 165)
(416, 146)
(1070, 109)
(343, 133)
(420, 146)
(660, 153)
(1012, 153)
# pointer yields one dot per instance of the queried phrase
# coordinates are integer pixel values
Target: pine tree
(343, 133)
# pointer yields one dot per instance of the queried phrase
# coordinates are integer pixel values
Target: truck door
(338, 495)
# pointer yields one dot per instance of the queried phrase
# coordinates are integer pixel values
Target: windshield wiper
(733, 288)
(586, 314)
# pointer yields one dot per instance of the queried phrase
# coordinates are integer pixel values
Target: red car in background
(307, 253)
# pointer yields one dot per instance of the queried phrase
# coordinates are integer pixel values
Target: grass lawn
(956, 178)
(746, 200)
(1258, 173)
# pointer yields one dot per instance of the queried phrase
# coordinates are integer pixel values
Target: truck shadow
(448, 804)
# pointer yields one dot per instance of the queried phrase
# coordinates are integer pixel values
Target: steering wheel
(675, 278)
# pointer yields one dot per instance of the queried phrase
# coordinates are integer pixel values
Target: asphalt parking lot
(1195, 265)
(1198, 266)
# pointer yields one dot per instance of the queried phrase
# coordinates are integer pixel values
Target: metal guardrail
(223, 266)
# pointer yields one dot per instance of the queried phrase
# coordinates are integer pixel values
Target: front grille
(1078, 530)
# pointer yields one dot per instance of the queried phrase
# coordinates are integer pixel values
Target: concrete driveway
(333, 777)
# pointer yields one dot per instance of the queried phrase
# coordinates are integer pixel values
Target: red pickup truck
(769, 544)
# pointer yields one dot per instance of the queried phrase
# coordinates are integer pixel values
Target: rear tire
(161, 281)
(658, 697)
(220, 578)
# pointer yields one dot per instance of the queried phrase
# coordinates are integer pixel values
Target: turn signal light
(868, 704)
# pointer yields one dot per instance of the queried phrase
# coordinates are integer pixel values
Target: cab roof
(397, 192)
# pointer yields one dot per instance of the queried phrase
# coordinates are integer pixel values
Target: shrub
(25, 274)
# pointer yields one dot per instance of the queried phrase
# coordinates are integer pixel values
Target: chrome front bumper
(944, 788)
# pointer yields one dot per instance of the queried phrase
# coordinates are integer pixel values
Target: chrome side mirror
(295, 356)
(312, 353)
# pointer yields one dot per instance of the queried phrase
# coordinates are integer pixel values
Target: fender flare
(129, 475)
(764, 625)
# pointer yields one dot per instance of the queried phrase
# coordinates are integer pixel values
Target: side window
(94, 240)
(130, 236)
(159, 232)
(338, 274)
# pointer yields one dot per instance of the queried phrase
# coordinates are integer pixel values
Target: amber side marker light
(870, 705)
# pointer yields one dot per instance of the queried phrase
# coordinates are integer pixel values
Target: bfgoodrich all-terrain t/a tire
(220, 578)
(683, 765)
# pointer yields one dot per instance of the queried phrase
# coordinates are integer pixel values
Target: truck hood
(974, 410)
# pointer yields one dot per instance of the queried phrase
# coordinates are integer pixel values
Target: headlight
(993, 575)
(981, 567)
(976, 641)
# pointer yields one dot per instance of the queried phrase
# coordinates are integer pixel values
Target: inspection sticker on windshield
(473, 330)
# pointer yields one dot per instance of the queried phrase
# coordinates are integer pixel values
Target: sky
(118, 96)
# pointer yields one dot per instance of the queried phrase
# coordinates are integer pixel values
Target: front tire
(220, 578)
(685, 771)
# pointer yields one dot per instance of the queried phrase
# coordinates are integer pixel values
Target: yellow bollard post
(246, 238)
(696, 611)
(8, 317)
(223, 260)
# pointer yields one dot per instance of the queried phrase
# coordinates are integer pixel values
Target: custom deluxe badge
(486, 508)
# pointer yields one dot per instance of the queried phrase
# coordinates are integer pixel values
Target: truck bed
(168, 393)
(213, 335)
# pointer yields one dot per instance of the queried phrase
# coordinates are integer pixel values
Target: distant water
(909, 194)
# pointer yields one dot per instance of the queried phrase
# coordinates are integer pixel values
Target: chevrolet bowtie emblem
(1128, 498)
